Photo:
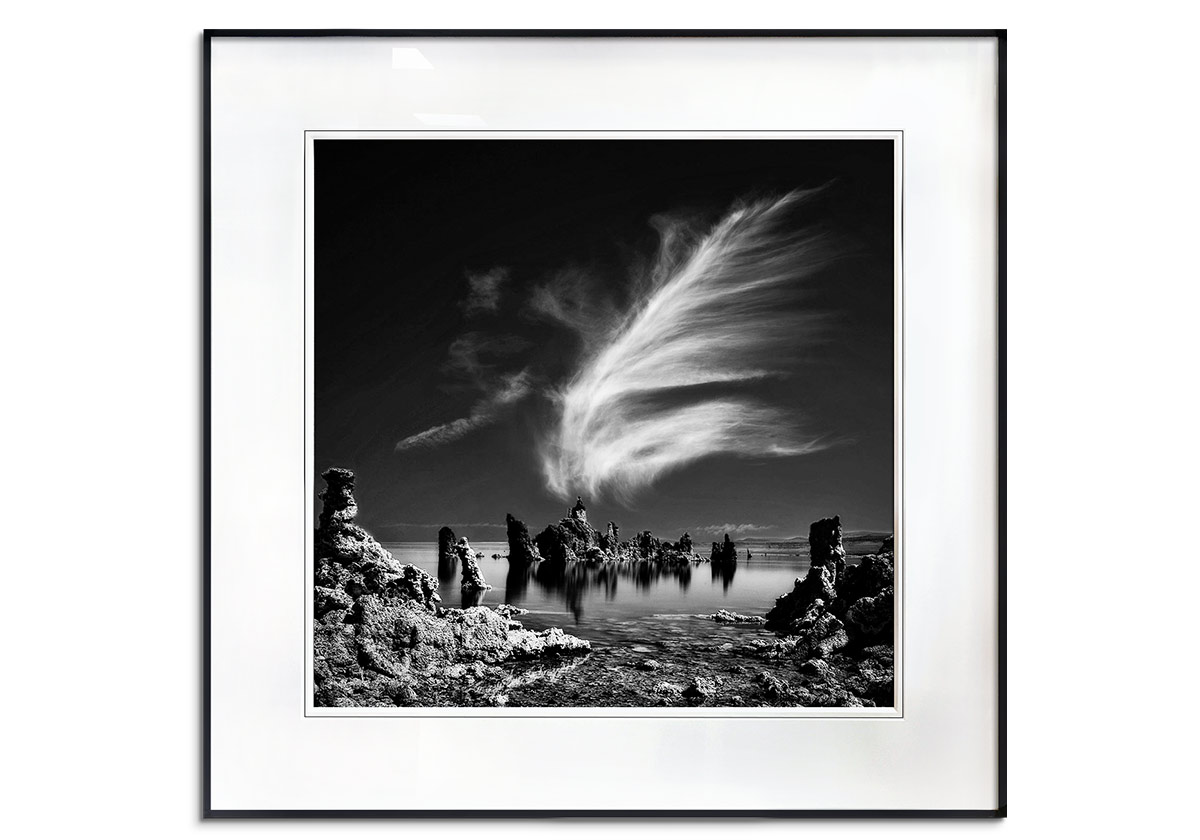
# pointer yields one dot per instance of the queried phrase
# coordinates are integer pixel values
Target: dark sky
(400, 226)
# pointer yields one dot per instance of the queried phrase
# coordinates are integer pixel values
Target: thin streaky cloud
(514, 388)
(476, 354)
(730, 528)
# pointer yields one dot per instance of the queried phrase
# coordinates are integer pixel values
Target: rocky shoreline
(382, 637)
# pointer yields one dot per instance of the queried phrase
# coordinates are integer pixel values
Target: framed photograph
(625, 405)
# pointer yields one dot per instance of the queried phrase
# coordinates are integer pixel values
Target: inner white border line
(821, 713)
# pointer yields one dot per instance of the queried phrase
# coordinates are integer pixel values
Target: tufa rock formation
(579, 512)
(571, 539)
(557, 544)
(700, 689)
(723, 616)
(521, 549)
(647, 544)
(348, 560)
(447, 556)
(818, 633)
(610, 540)
(817, 585)
(380, 636)
(472, 577)
(838, 628)
(828, 563)
(866, 599)
(836, 605)
(825, 546)
(837, 622)
(724, 553)
(446, 541)
(338, 507)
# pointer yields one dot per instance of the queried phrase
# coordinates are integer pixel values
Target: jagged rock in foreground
(838, 621)
(828, 567)
(866, 598)
(825, 546)
(817, 633)
(508, 610)
(350, 563)
(530, 645)
(707, 671)
(472, 575)
(700, 689)
(727, 617)
(871, 619)
(792, 607)
(860, 596)
(381, 638)
(338, 507)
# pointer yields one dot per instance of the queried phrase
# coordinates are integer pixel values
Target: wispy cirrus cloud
(730, 528)
(477, 354)
(484, 291)
(570, 299)
(512, 389)
(662, 383)
(477, 357)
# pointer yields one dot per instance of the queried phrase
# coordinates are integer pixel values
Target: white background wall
(100, 382)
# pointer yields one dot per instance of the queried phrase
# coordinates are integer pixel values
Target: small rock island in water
(382, 637)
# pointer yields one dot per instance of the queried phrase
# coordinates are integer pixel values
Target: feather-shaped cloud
(663, 384)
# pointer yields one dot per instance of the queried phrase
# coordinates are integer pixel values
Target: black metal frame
(1001, 36)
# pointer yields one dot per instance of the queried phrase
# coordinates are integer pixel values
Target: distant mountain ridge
(848, 536)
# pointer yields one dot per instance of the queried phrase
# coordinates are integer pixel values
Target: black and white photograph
(558, 418)
(604, 422)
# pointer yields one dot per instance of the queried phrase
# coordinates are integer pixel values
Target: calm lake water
(624, 603)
